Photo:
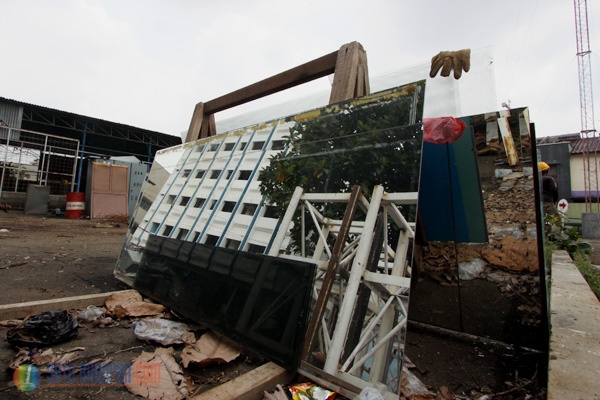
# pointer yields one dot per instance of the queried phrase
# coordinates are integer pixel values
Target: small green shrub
(564, 238)
(589, 272)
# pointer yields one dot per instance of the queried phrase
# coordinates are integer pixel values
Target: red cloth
(442, 130)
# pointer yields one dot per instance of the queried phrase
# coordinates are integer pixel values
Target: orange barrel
(75, 205)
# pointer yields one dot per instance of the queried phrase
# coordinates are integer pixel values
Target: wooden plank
(251, 385)
(362, 80)
(351, 80)
(208, 126)
(307, 72)
(321, 303)
(507, 138)
(346, 73)
(351, 59)
(195, 124)
(22, 310)
(329, 381)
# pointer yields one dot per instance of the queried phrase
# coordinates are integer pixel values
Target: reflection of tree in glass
(368, 145)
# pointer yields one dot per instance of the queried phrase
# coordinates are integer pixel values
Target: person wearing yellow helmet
(549, 189)
(542, 166)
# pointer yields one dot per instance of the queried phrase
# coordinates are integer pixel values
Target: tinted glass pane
(257, 300)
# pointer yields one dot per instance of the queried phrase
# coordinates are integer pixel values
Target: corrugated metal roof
(35, 106)
(591, 145)
(569, 137)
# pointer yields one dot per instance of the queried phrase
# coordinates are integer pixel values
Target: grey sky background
(146, 63)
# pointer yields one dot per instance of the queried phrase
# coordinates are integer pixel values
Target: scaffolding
(586, 100)
(28, 157)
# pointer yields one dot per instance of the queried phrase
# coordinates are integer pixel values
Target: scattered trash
(469, 270)
(91, 313)
(3, 230)
(45, 360)
(310, 391)
(446, 394)
(160, 330)
(9, 323)
(506, 186)
(412, 386)
(502, 172)
(278, 394)
(509, 230)
(209, 349)
(372, 393)
(527, 171)
(157, 376)
(44, 329)
(513, 254)
(513, 176)
(5, 207)
(104, 322)
(15, 264)
(131, 304)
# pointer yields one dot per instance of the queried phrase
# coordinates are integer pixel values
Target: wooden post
(351, 80)
(332, 266)
(351, 77)
(195, 124)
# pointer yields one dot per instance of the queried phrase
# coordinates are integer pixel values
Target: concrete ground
(49, 258)
(574, 365)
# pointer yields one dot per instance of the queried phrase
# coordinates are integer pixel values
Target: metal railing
(28, 157)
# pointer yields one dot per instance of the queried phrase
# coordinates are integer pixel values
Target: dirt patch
(45, 258)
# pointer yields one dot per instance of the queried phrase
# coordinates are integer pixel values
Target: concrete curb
(574, 365)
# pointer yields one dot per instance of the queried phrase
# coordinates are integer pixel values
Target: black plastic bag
(44, 329)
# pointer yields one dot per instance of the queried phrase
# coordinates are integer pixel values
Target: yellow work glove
(458, 61)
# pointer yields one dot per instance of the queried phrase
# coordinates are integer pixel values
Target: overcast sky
(147, 63)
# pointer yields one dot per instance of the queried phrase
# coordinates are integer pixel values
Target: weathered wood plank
(21, 310)
(321, 303)
(351, 76)
(251, 385)
(196, 123)
(209, 127)
(307, 72)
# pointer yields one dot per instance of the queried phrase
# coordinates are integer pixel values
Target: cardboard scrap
(501, 259)
(157, 376)
(510, 253)
(278, 394)
(163, 331)
(49, 361)
(131, 304)
(10, 323)
(514, 254)
(209, 349)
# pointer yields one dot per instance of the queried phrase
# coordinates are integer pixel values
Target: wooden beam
(196, 123)
(351, 80)
(251, 385)
(22, 310)
(209, 127)
(307, 72)
(351, 76)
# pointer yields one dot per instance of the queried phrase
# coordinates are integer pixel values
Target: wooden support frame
(251, 385)
(351, 80)
(22, 310)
